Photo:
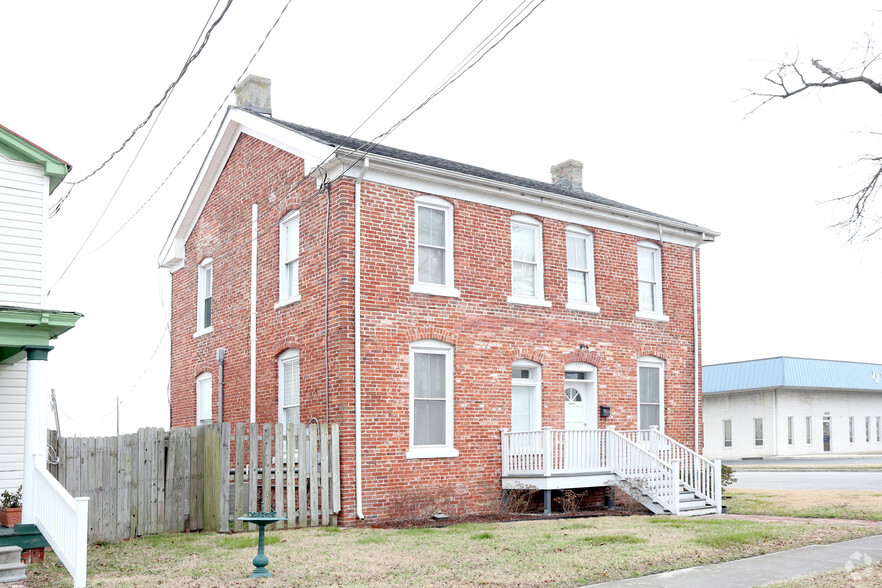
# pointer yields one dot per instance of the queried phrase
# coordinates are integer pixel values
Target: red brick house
(469, 330)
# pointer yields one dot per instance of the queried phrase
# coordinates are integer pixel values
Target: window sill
(203, 332)
(529, 301)
(652, 316)
(435, 290)
(584, 307)
(286, 302)
(430, 452)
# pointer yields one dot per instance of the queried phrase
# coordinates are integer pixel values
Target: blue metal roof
(791, 372)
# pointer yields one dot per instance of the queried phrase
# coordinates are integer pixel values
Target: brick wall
(487, 332)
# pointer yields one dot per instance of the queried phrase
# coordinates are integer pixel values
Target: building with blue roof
(785, 406)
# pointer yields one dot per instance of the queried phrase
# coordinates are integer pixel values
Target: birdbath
(261, 519)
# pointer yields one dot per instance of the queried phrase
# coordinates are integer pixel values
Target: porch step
(11, 568)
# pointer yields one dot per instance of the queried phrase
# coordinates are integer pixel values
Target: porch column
(36, 404)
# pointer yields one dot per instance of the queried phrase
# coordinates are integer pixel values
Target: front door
(580, 396)
(826, 433)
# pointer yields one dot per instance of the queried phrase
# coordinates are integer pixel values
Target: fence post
(224, 514)
(718, 484)
(653, 440)
(675, 486)
(610, 449)
(546, 451)
(503, 440)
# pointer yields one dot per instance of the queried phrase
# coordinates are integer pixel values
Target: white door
(580, 396)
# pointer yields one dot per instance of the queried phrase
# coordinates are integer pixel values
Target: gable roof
(791, 372)
(318, 147)
(16, 147)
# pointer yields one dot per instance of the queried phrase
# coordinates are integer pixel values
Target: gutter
(358, 474)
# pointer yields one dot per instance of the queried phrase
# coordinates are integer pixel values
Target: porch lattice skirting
(659, 472)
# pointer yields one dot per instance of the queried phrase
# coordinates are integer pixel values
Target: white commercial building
(791, 406)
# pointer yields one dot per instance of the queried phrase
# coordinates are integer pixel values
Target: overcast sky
(652, 97)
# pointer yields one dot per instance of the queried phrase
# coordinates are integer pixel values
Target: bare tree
(790, 78)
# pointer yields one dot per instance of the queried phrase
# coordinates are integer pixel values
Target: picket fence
(203, 478)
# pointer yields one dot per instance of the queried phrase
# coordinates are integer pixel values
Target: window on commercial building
(808, 430)
(851, 429)
(878, 429)
(867, 427)
(727, 433)
(431, 399)
(289, 387)
(526, 396)
(203, 398)
(757, 432)
(790, 430)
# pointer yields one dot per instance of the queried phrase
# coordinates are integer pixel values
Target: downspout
(358, 481)
(696, 340)
(220, 384)
(253, 327)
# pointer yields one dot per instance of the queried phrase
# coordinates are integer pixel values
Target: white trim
(657, 310)
(583, 307)
(291, 356)
(652, 362)
(435, 290)
(534, 381)
(651, 316)
(446, 287)
(204, 385)
(204, 281)
(519, 221)
(446, 449)
(590, 384)
(290, 219)
(587, 237)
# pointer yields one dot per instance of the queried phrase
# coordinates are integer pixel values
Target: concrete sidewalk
(765, 569)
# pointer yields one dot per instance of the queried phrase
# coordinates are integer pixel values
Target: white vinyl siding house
(24, 189)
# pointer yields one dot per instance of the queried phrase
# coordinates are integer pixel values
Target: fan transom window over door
(580, 396)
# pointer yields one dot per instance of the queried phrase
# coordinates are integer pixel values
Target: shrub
(11, 499)
(727, 474)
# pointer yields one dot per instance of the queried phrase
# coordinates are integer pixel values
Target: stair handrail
(704, 472)
(666, 493)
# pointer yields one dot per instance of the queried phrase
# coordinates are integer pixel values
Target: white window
(867, 426)
(757, 432)
(650, 393)
(289, 259)
(433, 247)
(878, 429)
(727, 433)
(526, 396)
(790, 430)
(851, 429)
(808, 430)
(580, 270)
(203, 398)
(431, 399)
(204, 288)
(649, 281)
(289, 387)
(526, 262)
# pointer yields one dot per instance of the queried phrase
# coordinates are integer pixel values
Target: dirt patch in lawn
(837, 504)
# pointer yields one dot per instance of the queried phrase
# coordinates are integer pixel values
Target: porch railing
(643, 471)
(698, 473)
(553, 452)
(64, 522)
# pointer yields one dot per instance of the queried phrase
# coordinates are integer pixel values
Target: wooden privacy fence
(203, 478)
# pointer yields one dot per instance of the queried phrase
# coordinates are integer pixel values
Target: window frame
(289, 220)
(446, 287)
(289, 356)
(758, 432)
(790, 430)
(650, 361)
(590, 304)
(535, 382)
(808, 430)
(867, 427)
(447, 449)
(204, 281)
(878, 429)
(657, 311)
(204, 413)
(727, 433)
(851, 429)
(538, 297)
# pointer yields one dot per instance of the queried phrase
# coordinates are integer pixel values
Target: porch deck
(658, 471)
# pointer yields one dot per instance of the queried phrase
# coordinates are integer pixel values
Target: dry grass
(561, 552)
(751, 466)
(840, 504)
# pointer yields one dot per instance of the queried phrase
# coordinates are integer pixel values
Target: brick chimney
(254, 94)
(567, 174)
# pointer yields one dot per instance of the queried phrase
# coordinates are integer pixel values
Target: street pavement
(807, 480)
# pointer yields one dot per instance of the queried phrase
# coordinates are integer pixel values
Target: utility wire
(201, 135)
(193, 56)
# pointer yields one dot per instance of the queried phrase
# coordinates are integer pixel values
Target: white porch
(658, 471)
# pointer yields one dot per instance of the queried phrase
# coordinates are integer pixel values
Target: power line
(192, 57)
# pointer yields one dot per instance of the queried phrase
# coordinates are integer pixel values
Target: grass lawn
(862, 576)
(839, 504)
(563, 552)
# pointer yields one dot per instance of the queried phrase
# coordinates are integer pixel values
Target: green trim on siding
(18, 148)
(27, 327)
